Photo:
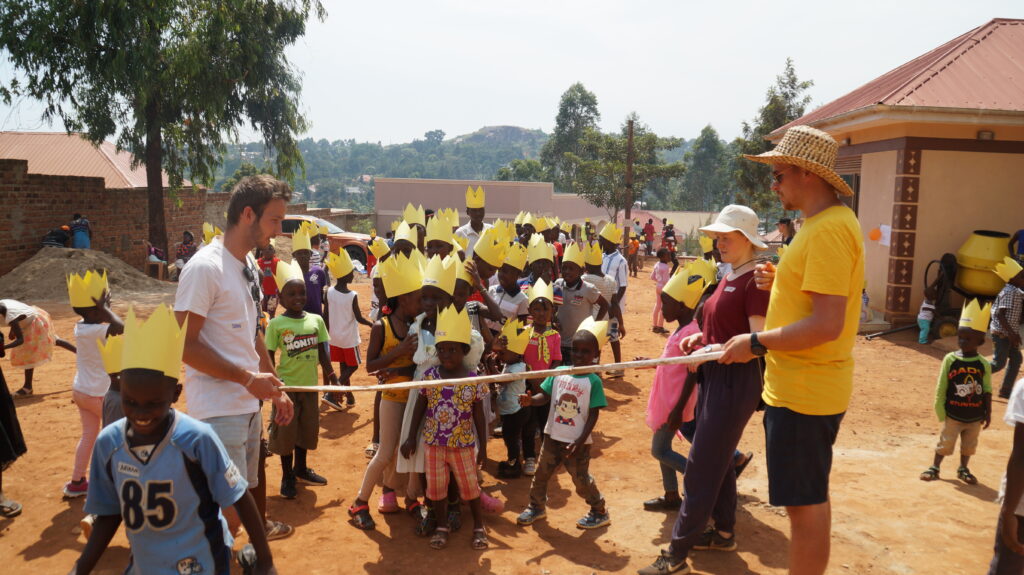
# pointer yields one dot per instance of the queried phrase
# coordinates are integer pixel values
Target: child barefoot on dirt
(449, 415)
(32, 338)
(343, 318)
(164, 474)
(302, 339)
(567, 435)
(963, 397)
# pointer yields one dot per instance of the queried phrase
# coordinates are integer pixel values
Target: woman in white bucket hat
(728, 396)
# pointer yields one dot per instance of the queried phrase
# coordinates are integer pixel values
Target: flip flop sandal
(278, 530)
(414, 509)
(10, 508)
(966, 476)
(371, 450)
(930, 474)
(439, 539)
(480, 541)
(23, 392)
(360, 517)
(748, 456)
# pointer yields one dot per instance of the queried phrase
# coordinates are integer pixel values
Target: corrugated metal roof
(982, 69)
(62, 154)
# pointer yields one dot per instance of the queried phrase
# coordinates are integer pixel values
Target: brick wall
(34, 204)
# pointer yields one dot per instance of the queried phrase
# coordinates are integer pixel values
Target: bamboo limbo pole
(503, 377)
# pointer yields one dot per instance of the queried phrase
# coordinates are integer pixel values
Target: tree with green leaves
(706, 183)
(171, 81)
(244, 170)
(523, 171)
(577, 115)
(600, 174)
(786, 101)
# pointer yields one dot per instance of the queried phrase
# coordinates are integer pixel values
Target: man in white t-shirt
(227, 368)
(475, 227)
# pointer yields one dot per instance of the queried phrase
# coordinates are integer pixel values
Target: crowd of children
(449, 302)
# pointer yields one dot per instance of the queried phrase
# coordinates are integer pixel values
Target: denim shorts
(240, 435)
(799, 454)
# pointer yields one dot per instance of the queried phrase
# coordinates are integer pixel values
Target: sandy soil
(885, 519)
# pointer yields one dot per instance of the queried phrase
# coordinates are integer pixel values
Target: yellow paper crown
(566, 227)
(517, 335)
(111, 352)
(504, 231)
(406, 232)
(379, 247)
(440, 273)
(976, 317)
(287, 272)
(1008, 269)
(210, 231)
(574, 254)
(490, 249)
(414, 215)
(449, 216)
(540, 289)
(323, 230)
(87, 289)
(680, 287)
(439, 230)
(460, 242)
(515, 256)
(541, 224)
(340, 264)
(519, 218)
(706, 244)
(155, 344)
(612, 233)
(401, 275)
(394, 224)
(475, 199)
(300, 239)
(539, 249)
(452, 325)
(529, 220)
(593, 254)
(461, 273)
(705, 269)
(598, 328)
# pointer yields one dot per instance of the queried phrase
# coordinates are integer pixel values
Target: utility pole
(627, 223)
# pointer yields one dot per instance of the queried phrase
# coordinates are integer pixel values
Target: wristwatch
(756, 347)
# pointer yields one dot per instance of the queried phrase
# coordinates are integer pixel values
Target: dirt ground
(885, 519)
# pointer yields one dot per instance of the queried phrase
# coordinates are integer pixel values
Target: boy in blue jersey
(164, 474)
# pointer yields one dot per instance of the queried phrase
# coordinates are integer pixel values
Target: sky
(390, 70)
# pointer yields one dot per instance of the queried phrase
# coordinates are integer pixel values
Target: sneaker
(663, 565)
(73, 489)
(330, 399)
(307, 475)
(663, 503)
(530, 515)
(710, 540)
(350, 399)
(530, 467)
(288, 490)
(497, 431)
(510, 469)
(593, 520)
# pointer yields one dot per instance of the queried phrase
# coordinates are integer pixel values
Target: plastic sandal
(930, 474)
(414, 509)
(10, 508)
(278, 530)
(491, 504)
(480, 541)
(440, 538)
(748, 457)
(360, 517)
(966, 476)
(371, 450)
(23, 392)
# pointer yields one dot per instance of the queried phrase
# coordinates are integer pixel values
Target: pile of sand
(43, 276)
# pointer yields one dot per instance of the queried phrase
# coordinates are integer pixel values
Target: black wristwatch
(756, 347)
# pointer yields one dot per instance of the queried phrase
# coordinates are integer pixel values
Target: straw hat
(734, 218)
(810, 149)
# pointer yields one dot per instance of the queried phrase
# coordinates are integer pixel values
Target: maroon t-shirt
(727, 311)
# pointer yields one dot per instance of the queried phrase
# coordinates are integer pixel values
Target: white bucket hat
(734, 218)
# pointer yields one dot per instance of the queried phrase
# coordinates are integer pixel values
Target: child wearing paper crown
(90, 299)
(303, 341)
(963, 396)
(507, 294)
(544, 351)
(164, 474)
(579, 296)
(314, 276)
(449, 415)
(389, 356)
(1006, 322)
(567, 434)
(510, 346)
(343, 318)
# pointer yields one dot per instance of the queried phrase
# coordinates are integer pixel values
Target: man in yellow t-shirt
(808, 339)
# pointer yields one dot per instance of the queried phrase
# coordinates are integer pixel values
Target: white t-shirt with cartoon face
(572, 399)
(214, 285)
